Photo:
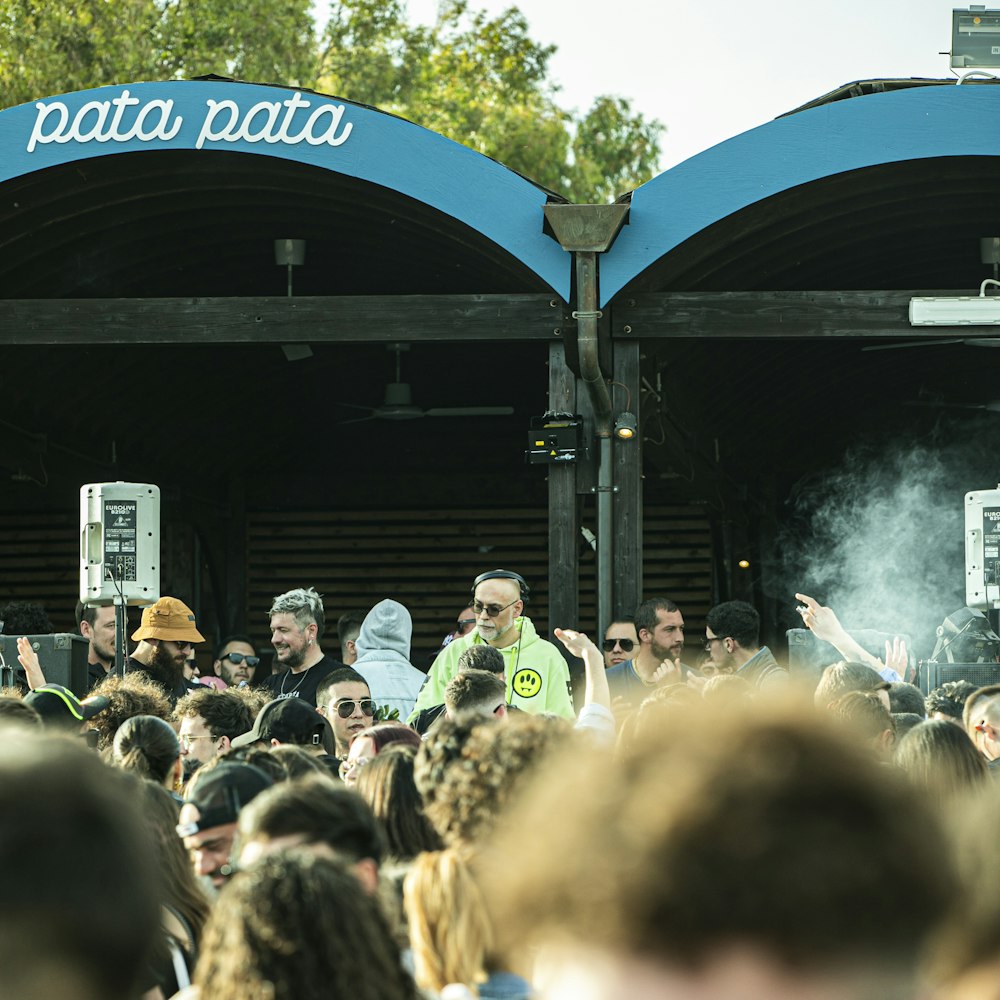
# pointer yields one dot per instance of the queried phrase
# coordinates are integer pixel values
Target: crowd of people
(693, 821)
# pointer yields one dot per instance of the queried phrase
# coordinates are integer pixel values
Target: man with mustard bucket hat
(165, 638)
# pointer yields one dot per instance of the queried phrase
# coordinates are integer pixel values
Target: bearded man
(166, 636)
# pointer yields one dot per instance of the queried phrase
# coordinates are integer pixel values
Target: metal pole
(121, 626)
(605, 542)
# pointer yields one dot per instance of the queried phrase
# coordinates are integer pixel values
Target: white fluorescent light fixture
(957, 310)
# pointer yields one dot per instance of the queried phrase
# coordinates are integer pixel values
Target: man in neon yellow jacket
(536, 673)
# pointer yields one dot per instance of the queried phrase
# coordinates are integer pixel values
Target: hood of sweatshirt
(385, 633)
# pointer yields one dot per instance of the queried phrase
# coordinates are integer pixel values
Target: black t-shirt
(426, 717)
(95, 674)
(303, 685)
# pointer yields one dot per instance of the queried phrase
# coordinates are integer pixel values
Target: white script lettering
(227, 129)
(125, 117)
(99, 129)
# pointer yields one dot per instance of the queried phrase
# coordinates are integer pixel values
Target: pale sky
(710, 69)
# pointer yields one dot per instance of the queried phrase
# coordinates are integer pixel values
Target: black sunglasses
(626, 645)
(238, 658)
(492, 609)
(345, 708)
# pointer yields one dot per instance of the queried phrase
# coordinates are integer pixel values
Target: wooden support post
(627, 477)
(235, 601)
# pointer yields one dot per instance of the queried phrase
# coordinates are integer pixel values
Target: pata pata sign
(125, 118)
(202, 117)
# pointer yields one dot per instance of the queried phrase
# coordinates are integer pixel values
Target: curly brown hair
(253, 697)
(482, 780)
(226, 713)
(133, 694)
(296, 926)
(440, 748)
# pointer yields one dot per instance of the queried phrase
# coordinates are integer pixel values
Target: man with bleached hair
(296, 621)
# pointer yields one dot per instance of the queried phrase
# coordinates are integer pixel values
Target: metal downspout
(587, 317)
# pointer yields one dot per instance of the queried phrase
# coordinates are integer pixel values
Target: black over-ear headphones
(504, 574)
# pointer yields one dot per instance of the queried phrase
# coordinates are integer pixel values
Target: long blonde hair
(450, 932)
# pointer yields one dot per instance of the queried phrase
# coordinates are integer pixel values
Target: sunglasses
(462, 622)
(626, 645)
(491, 609)
(345, 709)
(237, 658)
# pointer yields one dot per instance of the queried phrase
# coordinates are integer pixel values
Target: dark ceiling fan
(398, 402)
(937, 401)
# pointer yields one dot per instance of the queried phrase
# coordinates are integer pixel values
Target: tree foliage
(480, 80)
(484, 82)
(260, 40)
(53, 48)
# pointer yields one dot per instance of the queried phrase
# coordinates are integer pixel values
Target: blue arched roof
(311, 129)
(905, 125)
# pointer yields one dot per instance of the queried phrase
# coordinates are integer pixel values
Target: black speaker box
(62, 655)
(932, 675)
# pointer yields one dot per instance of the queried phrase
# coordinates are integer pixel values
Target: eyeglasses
(626, 645)
(713, 638)
(238, 658)
(345, 708)
(186, 739)
(491, 609)
(347, 766)
(184, 645)
(462, 622)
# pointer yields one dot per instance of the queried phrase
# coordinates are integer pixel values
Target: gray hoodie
(383, 657)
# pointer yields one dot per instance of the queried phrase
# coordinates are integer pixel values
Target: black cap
(57, 705)
(220, 794)
(287, 720)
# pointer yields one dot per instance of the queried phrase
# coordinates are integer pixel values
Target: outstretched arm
(824, 624)
(28, 659)
(596, 690)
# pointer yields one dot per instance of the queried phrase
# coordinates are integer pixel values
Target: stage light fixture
(966, 636)
(626, 426)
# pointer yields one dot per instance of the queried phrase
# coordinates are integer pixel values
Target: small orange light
(744, 564)
(977, 20)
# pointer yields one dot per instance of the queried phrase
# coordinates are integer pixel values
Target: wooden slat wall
(424, 559)
(40, 562)
(677, 563)
(427, 559)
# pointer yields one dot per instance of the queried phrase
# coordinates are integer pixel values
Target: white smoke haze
(880, 540)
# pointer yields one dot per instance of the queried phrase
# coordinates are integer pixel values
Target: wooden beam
(312, 319)
(791, 315)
